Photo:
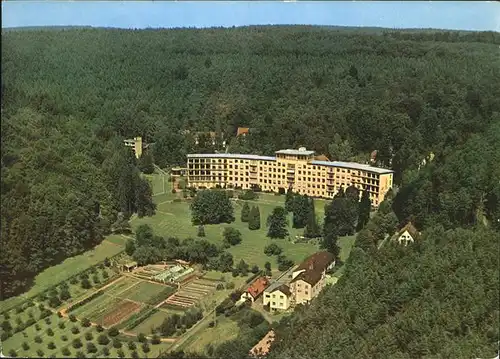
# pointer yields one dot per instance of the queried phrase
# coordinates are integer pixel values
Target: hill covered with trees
(69, 97)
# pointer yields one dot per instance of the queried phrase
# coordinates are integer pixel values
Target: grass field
(153, 321)
(146, 292)
(66, 269)
(159, 183)
(174, 219)
(225, 330)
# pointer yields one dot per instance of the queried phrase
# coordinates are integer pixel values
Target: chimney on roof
(302, 149)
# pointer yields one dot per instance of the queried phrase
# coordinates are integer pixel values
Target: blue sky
(463, 15)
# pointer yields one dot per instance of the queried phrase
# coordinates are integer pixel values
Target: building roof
(353, 165)
(258, 287)
(232, 155)
(313, 267)
(411, 230)
(321, 158)
(283, 288)
(300, 152)
(242, 131)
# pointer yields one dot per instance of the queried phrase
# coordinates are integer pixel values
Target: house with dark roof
(278, 296)
(308, 279)
(407, 234)
(255, 289)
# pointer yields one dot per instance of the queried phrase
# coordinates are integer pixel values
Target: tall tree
(245, 212)
(313, 229)
(301, 209)
(364, 210)
(289, 200)
(146, 163)
(144, 199)
(277, 223)
(340, 150)
(211, 207)
(254, 218)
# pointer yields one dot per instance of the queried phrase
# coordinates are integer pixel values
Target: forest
(69, 97)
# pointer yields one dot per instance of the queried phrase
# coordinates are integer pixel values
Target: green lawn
(64, 270)
(153, 321)
(144, 292)
(174, 219)
(225, 330)
(159, 183)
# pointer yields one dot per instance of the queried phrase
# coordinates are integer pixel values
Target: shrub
(84, 276)
(117, 343)
(120, 353)
(95, 279)
(173, 190)
(107, 262)
(255, 269)
(45, 313)
(41, 306)
(105, 275)
(134, 355)
(155, 340)
(61, 325)
(113, 332)
(89, 336)
(93, 270)
(86, 323)
(30, 322)
(131, 345)
(19, 309)
(201, 231)
(40, 353)
(211, 324)
(105, 351)
(145, 348)
(50, 332)
(230, 285)
(38, 339)
(99, 328)
(30, 314)
(64, 338)
(51, 345)
(219, 286)
(65, 294)
(72, 318)
(247, 195)
(5, 335)
(232, 236)
(142, 338)
(37, 327)
(235, 272)
(91, 348)
(59, 314)
(77, 343)
(103, 339)
(75, 330)
(86, 284)
(54, 302)
(80, 355)
(66, 352)
(73, 280)
(25, 346)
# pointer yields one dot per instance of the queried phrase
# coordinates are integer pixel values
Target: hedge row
(85, 301)
(138, 318)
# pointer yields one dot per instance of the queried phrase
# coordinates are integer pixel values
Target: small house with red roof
(255, 289)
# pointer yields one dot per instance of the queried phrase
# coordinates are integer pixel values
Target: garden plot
(192, 293)
(120, 311)
(147, 292)
(122, 285)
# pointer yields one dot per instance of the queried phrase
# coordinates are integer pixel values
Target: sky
(451, 15)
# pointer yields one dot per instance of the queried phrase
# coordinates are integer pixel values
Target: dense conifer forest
(69, 97)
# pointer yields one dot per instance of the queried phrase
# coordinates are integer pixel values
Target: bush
(230, 285)
(54, 302)
(117, 343)
(201, 231)
(30, 322)
(155, 340)
(131, 345)
(107, 262)
(134, 355)
(273, 249)
(255, 269)
(232, 236)
(12, 353)
(75, 330)
(45, 313)
(95, 279)
(51, 345)
(105, 351)
(91, 348)
(38, 339)
(235, 272)
(40, 353)
(173, 190)
(120, 353)
(99, 328)
(50, 332)
(72, 318)
(211, 324)
(64, 338)
(66, 352)
(103, 339)
(77, 343)
(80, 355)
(89, 336)
(86, 323)
(61, 325)
(105, 275)
(73, 280)
(248, 195)
(86, 284)
(25, 346)
(41, 306)
(37, 327)
(113, 332)
(142, 338)
(59, 314)
(145, 348)
(219, 286)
